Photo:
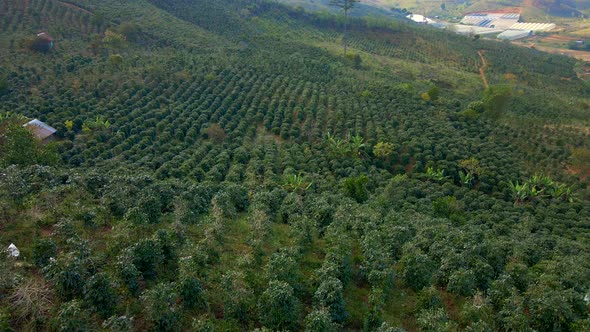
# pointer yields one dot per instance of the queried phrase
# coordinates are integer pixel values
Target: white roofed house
(41, 130)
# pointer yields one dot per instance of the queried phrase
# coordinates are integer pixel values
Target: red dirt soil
(558, 38)
(482, 69)
(509, 10)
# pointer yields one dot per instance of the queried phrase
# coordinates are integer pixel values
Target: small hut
(44, 42)
(41, 130)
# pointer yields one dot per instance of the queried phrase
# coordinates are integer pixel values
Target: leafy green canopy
(224, 168)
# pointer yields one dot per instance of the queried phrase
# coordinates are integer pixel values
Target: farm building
(515, 34)
(475, 30)
(504, 22)
(41, 130)
(501, 19)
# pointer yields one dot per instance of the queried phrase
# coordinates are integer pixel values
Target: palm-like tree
(520, 192)
(345, 5)
(356, 145)
(12, 117)
(337, 146)
(99, 123)
(296, 183)
(561, 191)
(436, 175)
(466, 178)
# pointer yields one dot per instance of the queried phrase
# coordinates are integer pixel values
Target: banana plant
(352, 146)
(99, 123)
(568, 195)
(520, 192)
(536, 192)
(296, 183)
(541, 182)
(13, 117)
(436, 175)
(356, 145)
(337, 146)
(561, 191)
(466, 178)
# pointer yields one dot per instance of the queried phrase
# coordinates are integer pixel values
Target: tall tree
(345, 5)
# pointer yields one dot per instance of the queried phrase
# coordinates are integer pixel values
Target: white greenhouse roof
(514, 34)
(491, 20)
(420, 18)
(473, 30)
(533, 26)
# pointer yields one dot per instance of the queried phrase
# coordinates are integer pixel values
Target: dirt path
(484, 66)
(67, 4)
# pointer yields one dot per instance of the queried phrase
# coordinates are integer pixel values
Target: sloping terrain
(220, 165)
(531, 9)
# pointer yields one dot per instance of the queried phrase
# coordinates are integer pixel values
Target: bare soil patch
(558, 39)
(580, 55)
(484, 66)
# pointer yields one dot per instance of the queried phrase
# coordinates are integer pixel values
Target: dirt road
(484, 66)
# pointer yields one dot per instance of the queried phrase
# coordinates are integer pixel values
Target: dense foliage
(220, 165)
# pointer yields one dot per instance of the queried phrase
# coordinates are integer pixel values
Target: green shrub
(446, 207)
(100, 294)
(320, 320)
(43, 250)
(118, 324)
(19, 147)
(417, 270)
(282, 267)
(429, 298)
(374, 318)
(462, 282)
(4, 85)
(146, 255)
(5, 320)
(160, 307)
(329, 295)
(68, 274)
(192, 294)
(435, 320)
(356, 188)
(279, 308)
(72, 317)
(238, 298)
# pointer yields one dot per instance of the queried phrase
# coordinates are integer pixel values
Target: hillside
(220, 165)
(531, 9)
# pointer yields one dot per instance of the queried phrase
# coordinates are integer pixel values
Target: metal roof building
(491, 19)
(40, 129)
(474, 30)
